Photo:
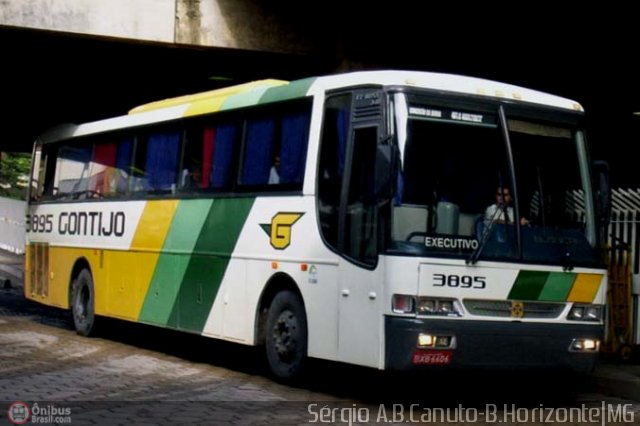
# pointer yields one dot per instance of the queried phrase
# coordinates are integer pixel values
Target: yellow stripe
(207, 101)
(204, 106)
(131, 271)
(153, 225)
(121, 278)
(585, 288)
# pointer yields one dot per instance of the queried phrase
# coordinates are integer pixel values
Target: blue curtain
(223, 156)
(293, 146)
(124, 159)
(124, 155)
(162, 160)
(258, 153)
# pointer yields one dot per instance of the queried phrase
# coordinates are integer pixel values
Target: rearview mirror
(603, 191)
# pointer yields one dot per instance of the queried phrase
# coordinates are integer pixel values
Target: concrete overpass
(80, 60)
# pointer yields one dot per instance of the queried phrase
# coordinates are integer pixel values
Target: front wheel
(82, 303)
(286, 336)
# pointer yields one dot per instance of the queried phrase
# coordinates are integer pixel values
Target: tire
(286, 336)
(83, 304)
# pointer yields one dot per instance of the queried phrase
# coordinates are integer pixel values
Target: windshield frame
(504, 110)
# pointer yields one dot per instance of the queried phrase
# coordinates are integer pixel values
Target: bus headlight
(405, 304)
(584, 345)
(580, 312)
(436, 341)
(438, 306)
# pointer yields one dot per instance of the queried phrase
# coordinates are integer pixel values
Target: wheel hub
(284, 335)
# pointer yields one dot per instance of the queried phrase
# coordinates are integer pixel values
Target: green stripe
(172, 263)
(528, 285)
(295, 89)
(558, 286)
(243, 99)
(216, 242)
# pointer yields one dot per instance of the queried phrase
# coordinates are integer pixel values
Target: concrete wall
(239, 24)
(151, 20)
(12, 225)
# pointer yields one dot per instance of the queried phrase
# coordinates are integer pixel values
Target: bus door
(360, 277)
(349, 218)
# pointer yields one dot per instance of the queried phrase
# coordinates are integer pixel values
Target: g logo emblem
(517, 309)
(279, 230)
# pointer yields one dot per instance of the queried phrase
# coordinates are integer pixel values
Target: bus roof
(267, 91)
(212, 100)
(449, 83)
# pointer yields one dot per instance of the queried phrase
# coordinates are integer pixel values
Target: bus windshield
(468, 188)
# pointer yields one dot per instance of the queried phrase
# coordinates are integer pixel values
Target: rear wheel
(82, 304)
(286, 336)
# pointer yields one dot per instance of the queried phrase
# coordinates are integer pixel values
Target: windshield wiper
(541, 201)
(473, 258)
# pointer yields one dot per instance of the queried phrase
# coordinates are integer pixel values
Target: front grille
(504, 308)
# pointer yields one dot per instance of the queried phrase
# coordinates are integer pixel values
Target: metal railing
(12, 225)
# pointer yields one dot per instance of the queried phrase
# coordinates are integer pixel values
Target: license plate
(431, 357)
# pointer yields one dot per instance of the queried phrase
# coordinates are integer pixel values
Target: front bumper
(490, 344)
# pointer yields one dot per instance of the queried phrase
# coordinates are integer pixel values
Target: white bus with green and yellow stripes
(342, 217)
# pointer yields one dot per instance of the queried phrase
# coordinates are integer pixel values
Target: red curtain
(104, 154)
(208, 150)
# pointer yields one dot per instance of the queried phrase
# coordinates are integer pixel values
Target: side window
(123, 168)
(41, 157)
(209, 155)
(259, 150)
(294, 137)
(110, 166)
(162, 161)
(225, 155)
(197, 154)
(275, 146)
(138, 179)
(335, 131)
(361, 211)
(101, 168)
(47, 171)
(82, 170)
(72, 171)
(155, 168)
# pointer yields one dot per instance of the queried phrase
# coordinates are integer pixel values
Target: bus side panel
(194, 259)
(280, 236)
(232, 306)
(61, 262)
(127, 282)
(108, 235)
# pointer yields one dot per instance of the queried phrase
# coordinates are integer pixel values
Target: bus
(371, 246)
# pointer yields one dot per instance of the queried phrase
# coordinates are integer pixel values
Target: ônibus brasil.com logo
(19, 413)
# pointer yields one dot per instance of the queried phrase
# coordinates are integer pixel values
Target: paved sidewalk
(620, 379)
(611, 377)
(11, 268)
